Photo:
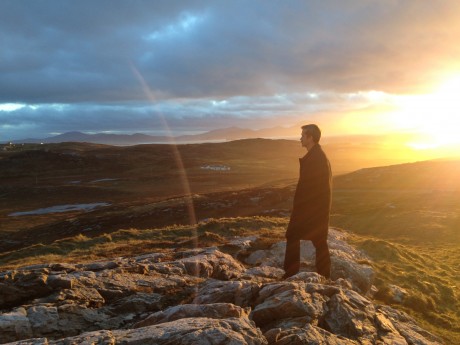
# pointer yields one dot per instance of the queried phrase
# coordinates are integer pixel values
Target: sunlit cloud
(11, 106)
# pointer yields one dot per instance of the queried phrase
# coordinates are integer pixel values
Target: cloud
(83, 54)
(159, 117)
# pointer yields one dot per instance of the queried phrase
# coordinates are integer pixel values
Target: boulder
(350, 315)
(344, 260)
(19, 286)
(309, 334)
(184, 331)
(241, 293)
(273, 273)
(360, 276)
(15, 325)
(213, 311)
(207, 263)
(138, 303)
(43, 319)
(286, 303)
(307, 277)
(212, 263)
(397, 293)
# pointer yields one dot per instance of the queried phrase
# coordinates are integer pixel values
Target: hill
(436, 175)
(405, 219)
(417, 201)
(181, 291)
(229, 133)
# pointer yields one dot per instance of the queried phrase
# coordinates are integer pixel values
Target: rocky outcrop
(344, 260)
(201, 296)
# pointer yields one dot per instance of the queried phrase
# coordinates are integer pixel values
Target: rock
(350, 315)
(279, 302)
(343, 260)
(15, 325)
(407, 327)
(360, 276)
(241, 293)
(82, 295)
(19, 286)
(113, 286)
(308, 277)
(99, 266)
(43, 319)
(64, 267)
(213, 311)
(263, 272)
(184, 331)
(398, 294)
(150, 258)
(208, 263)
(201, 296)
(243, 242)
(274, 256)
(387, 332)
(212, 263)
(138, 303)
(75, 319)
(309, 334)
(60, 281)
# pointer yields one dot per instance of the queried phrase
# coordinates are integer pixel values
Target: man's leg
(292, 257)
(323, 259)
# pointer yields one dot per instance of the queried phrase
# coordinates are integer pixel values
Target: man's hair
(313, 131)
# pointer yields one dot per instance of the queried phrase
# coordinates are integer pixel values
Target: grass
(413, 239)
(129, 242)
(428, 273)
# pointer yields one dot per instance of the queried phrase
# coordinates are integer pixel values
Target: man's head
(310, 135)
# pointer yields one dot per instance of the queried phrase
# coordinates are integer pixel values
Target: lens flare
(177, 157)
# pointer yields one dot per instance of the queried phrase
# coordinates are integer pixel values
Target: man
(312, 203)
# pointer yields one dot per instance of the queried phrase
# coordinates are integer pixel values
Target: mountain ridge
(228, 133)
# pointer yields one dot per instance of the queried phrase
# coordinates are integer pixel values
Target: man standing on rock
(312, 203)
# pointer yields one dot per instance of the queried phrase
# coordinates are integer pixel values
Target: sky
(182, 67)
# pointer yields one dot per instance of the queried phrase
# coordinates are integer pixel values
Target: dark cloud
(87, 52)
(159, 117)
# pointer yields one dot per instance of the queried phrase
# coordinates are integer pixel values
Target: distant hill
(427, 175)
(99, 138)
(230, 133)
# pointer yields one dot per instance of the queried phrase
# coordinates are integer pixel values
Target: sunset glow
(390, 72)
(433, 117)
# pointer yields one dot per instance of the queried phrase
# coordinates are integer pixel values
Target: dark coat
(312, 198)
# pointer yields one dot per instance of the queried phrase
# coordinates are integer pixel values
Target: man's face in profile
(305, 139)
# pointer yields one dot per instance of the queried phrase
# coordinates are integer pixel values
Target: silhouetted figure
(312, 204)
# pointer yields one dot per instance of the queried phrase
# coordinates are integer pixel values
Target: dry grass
(429, 275)
(132, 242)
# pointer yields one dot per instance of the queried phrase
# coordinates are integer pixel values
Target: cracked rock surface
(201, 296)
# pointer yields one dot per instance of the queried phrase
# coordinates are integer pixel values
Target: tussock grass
(132, 242)
(428, 274)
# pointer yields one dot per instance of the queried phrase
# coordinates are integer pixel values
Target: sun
(435, 117)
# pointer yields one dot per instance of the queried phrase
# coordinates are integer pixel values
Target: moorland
(404, 214)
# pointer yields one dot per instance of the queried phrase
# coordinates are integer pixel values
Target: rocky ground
(202, 296)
